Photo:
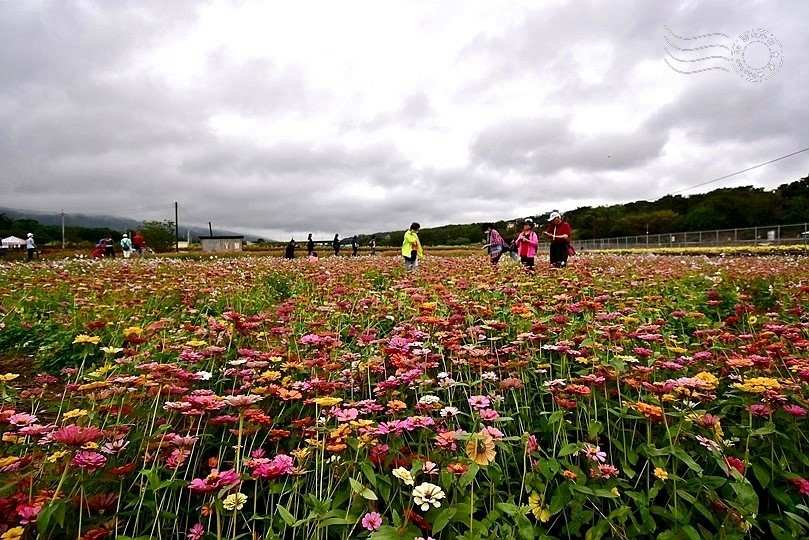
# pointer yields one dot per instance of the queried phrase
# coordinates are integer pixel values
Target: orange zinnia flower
(480, 449)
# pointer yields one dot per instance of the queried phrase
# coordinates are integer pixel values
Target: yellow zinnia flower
(480, 449)
(84, 338)
(661, 473)
(536, 503)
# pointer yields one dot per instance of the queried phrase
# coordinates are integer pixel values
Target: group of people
(106, 246)
(525, 246)
(289, 251)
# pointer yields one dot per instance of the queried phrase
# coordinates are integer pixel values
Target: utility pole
(63, 228)
(176, 228)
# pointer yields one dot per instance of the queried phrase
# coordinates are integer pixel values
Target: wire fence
(774, 235)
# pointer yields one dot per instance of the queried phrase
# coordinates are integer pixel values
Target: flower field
(256, 398)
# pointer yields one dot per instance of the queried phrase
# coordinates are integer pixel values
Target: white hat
(554, 215)
(30, 234)
(125, 235)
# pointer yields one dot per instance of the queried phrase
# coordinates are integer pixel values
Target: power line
(739, 172)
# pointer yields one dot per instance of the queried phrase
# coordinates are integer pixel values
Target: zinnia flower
(536, 503)
(404, 475)
(661, 473)
(480, 449)
(74, 435)
(89, 460)
(427, 494)
(234, 501)
(196, 532)
(372, 521)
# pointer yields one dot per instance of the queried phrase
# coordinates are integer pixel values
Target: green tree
(159, 235)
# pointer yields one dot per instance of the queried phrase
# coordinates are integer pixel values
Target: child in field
(527, 243)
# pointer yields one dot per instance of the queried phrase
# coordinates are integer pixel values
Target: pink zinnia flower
(479, 402)
(89, 460)
(215, 481)
(760, 409)
(28, 514)
(372, 521)
(493, 432)
(595, 453)
(21, 419)
(795, 410)
(802, 484)
(489, 415)
(196, 532)
(346, 415)
(74, 435)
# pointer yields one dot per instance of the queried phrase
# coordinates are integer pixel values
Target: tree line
(724, 208)
(159, 234)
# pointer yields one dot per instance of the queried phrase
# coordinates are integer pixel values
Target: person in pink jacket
(527, 242)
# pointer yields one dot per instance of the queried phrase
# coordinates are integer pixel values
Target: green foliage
(159, 235)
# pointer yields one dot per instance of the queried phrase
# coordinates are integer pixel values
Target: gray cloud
(273, 142)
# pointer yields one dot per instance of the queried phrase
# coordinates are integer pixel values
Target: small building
(214, 244)
(13, 242)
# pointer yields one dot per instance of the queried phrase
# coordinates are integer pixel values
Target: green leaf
(443, 519)
(369, 473)
(681, 454)
(288, 518)
(568, 449)
(386, 532)
(594, 429)
(767, 429)
(469, 475)
(361, 490)
(508, 508)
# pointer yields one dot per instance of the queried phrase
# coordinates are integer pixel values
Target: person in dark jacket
(310, 245)
(289, 252)
(336, 244)
(354, 246)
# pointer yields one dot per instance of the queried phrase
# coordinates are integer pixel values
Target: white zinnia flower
(426, 494)
(404, 475)
(234, 501)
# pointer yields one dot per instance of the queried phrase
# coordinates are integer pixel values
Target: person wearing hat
(527, 242)
(558, 231)
(126, 246)
(32, 247)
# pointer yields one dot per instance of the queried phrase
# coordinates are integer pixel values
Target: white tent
(13, 242)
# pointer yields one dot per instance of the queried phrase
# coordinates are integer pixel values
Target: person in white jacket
(32, 247)
(126, 246)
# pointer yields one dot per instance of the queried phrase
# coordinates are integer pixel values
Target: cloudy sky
(279, 118)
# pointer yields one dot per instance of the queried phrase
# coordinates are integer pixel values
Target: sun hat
(529, 221)
(554, 215)
(125, 236)
(30, 234)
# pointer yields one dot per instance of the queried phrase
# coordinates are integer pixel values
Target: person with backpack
(126, 246)
(558, 230)
(495, 245)
(336, 245)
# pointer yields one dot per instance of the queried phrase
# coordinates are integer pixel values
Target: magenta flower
(215, 481)
(28, 514)
(795, 410)
(74, 435)
(89, 460)
(196, 532)
(479, 402)
(372, 521)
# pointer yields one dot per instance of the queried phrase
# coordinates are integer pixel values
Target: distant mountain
(106, 222)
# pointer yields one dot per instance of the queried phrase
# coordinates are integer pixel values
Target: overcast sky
(280, 118)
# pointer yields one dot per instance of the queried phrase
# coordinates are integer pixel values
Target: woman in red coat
(558, 231)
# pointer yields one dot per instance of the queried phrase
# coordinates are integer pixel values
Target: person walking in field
(139, 242)
(372, 245)
(354, 246)
(30, 246)
(558, 231)
(411, 248)
(495, 245)
(527, 243)
(336, 245)
(310, 245)
(126, 246)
